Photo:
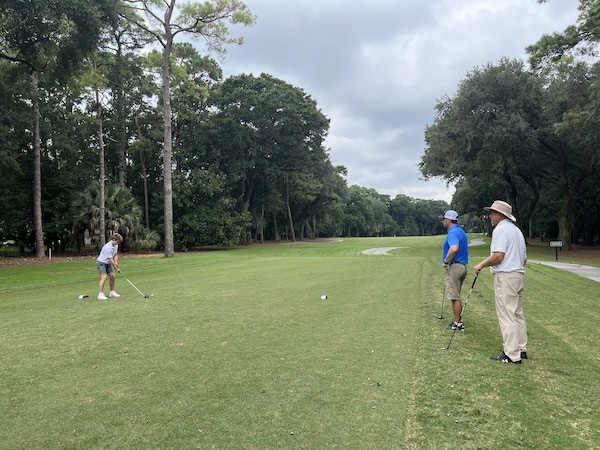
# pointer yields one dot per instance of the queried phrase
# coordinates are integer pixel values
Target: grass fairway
(237, 350)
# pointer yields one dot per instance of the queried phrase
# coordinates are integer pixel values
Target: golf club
(133, 285)
(461, 313)
(443, 299)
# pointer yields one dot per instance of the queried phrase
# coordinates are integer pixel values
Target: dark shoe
(523, 355)
(460, 326)
(452, 326)
(505, 359)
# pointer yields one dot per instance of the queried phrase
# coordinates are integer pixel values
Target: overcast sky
(377, 67)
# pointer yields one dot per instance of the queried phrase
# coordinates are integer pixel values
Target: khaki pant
(508, 292)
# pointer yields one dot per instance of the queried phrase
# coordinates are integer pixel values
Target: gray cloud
(377, 67)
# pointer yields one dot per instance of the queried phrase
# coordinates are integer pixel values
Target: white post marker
(556, 245)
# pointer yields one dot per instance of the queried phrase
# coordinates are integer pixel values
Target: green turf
(237, 350)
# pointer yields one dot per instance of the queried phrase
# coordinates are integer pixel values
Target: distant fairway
(237, 350)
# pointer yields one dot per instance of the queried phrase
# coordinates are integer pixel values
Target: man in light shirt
(107, 266)
(507, 260)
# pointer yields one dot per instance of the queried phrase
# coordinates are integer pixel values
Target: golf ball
(323, 297)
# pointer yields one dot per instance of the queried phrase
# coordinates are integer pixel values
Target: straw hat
(503, 208)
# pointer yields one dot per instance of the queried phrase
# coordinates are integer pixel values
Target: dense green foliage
(513, 134)
(243, 159)
(529, 135)
(248, 161)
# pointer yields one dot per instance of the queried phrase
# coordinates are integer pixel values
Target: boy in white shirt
(107, 266)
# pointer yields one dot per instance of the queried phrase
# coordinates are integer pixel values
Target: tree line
(528, 134)
(100, 134)
(109, 123)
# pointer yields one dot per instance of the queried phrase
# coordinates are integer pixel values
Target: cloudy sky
(377, 67)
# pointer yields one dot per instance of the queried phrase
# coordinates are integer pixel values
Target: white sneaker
(113, 294)
(101, 296)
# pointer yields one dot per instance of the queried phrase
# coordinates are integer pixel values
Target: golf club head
(440, 317)
(147, 296)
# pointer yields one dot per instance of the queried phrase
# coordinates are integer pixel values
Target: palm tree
(122, 212)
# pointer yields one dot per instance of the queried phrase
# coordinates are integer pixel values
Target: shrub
(144, 240)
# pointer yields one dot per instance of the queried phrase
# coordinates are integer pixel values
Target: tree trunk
(248, 191)
(145, 183)
(121, 140)
(530, 228)
(262, 225)
(292, 233)
(37, 170)
(102, 169)
(527, 215)
(144, 175)
(565, 224)
(167, 145)
(566, 215)
(120, 112)
(276, 236)
(310, 232)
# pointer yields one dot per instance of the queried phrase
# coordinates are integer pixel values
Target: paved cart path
(593, 273)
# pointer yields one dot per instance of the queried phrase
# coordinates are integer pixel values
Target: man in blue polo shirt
(455, 257)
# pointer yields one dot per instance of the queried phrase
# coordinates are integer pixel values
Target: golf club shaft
(461, 311)
(133, 285)
(443, 298)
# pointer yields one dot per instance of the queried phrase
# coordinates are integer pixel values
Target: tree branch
(20, 61)
(145, 28)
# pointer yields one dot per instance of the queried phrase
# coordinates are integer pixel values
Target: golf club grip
(474, 280)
